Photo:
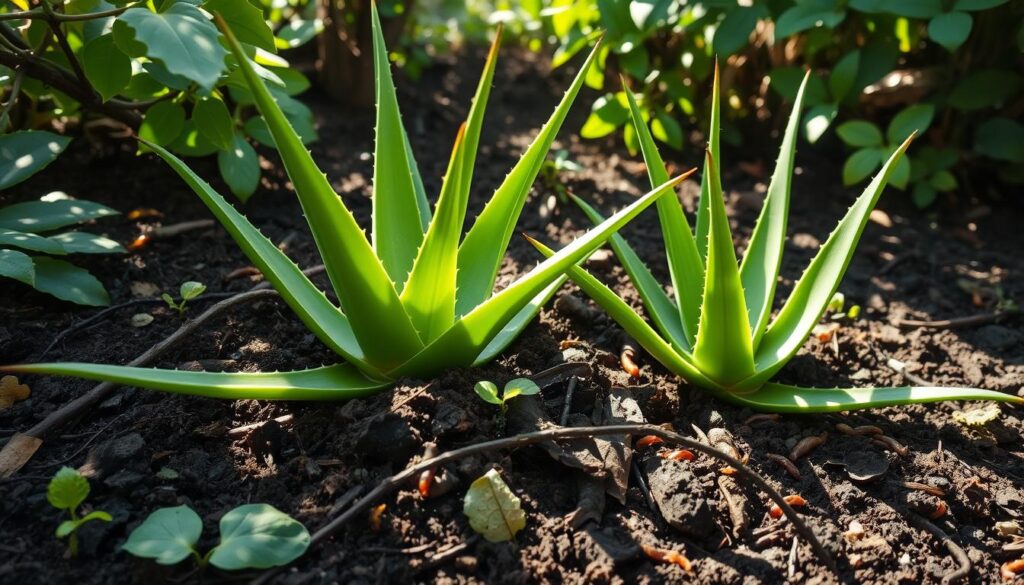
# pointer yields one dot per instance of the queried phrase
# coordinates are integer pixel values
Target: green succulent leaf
(785, 398)
(25, 153)
(168, 535)
(67, 490)
(703, 213)
(258, 536)
(516, 324)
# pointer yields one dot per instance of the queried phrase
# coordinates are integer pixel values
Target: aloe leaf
(429, 296)
(724, 350)
(422, 205)
(484, 245)
(516, 324)
(397, 226)
(820, 280)
(685, 264)
(760, 268)
(337, 382)
(471, 333)
(714, 129)
(367, 294)
(784, 398)
(474, 123)
(318, 313)
(659, 306)
(679, 362)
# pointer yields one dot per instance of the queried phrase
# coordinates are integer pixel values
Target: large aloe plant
(717, 333)
(413, 301)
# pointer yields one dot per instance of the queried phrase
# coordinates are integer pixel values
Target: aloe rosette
(717, 332)
(415, 299)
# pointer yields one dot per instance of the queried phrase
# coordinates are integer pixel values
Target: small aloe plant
(717, 333)
(414, 301)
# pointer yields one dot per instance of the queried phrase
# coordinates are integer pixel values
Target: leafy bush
(717, 333)
(414, 301)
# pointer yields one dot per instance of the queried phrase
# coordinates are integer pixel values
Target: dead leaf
(143, 289)
(141, 319)
(11, 391)
(17, 452)
(493, 510)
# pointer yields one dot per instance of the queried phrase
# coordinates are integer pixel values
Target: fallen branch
(405, 476)
(957, 323)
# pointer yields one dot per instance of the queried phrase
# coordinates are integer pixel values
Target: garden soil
(144, 450)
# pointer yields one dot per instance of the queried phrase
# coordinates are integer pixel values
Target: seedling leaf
(67, 490)
(488, 391)
(168, 535)
(258, 536)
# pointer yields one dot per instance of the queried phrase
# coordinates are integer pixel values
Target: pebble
(112, 456)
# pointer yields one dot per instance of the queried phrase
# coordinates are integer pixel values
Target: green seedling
(189, 290)
(717, 333)
(252, 536)
(519, 387)
(67, 490)
(418, 297)
(551, 173)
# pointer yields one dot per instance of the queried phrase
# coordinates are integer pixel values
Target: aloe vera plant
(717, 332)
(413, 301)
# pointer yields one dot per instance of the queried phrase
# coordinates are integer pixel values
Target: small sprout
(252, 536)
(11, 391)
(141, 319)
(795, 500)
(67, 490)
(488, 391)
(189, 290)
(493, 510)
(837, 303)
(668, 556)
(854, 313)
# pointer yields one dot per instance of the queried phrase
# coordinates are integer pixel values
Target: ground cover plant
(718, 333)
(416, 300)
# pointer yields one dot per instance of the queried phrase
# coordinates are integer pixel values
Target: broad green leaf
(760, 268)
(723, 349)
(819, 282)
(397, 228)
(65, 528)
(298, 32)
(807, 16)
(734, 31)
(488, 391)
(998, 138)
(213, 120)
(181, 38)
(53, 211)
(950, 29)
(977, 4)
(493, 510)
(520, 387)
(258, 536)
(843, 76)
(191, 289)
(915, 8)
(943, 181)
(384, 330)
(163, 123)
(483, 248)
(192, 143)
(107, 68)
(900, 176)
(983, 89)
(714, 129)
(85, 243)
(168, 535)
(307, 301)
(908, 121)
(337, 382)
(67, 490)
(27, 241)
(923, 195)
(607, 114)
(240, 167)
(245, 20)
(665, 128)
(861, 164)
(26, 152)
(774, 397)
(17, 265)
(877, 59)
(860, 133)
(68, 282)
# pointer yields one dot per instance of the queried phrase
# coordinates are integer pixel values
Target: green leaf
(977, 4)
(26, 152)
(181, 38)
(923, 195)
(714, 129)
(860, 165)
(859, 133)
(240, 167)
(53, 211)
(950, 29)
(520, 387)
(817, 120)
(191, 289)
(337, 382)
(607, 114)
(943, 181)
(910, 120)
(760, 268)
(877, 59)
(163, 123)
(488, 391)
(983, 89)
(168, 535)
(69, 283)
(386, 334)
(915, 8)
(997, 138)
(774, 397)
(27, 241)
(298, 32)
(213, 120)
(65, 528)
(734, 31)
(806, 16)
(844, 75)
(665, 128)
(900, 173)
(483, 247)
(724, 350)
(96, 515)
(191, 142)
(258, 536)
(67, 490)
(107, 68)
(398, 229)
(245, 20)
(17, 265)
(493, 510)
(85, 243)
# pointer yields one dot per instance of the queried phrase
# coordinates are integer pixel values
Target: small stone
(124, 480)
(112, 456)
(141, 319)
(450, 419)
(672, 485)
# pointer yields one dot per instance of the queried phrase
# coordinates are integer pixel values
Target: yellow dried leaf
(11, 391)
(493, 510)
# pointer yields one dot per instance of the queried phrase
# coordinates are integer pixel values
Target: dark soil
(908, 270)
